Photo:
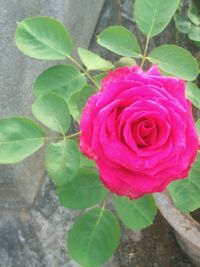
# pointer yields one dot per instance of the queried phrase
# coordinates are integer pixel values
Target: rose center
(144, 132)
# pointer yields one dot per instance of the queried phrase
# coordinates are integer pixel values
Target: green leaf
(125, 61)
(198, 126)
(84, 94)
(185, 192)
(176, 61)
(62, 161)
(43, 38)
(182, 23)
(194, 33)
(73, 106)
(77, 101)
(19, 138)
(84, 191)
(136, 214)
(153, 16)
(94, 237)
(120, 41)
(193, 15)
(193, 93)
(52, 111)
(63, 80)
(98, 78)
(87, 163)
(93, 61)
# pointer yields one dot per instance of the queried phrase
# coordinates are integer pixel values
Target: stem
(85, 71)
(61, 137)
(145, 51)
(118, 3)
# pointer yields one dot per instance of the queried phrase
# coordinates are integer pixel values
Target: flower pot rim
(182, 223)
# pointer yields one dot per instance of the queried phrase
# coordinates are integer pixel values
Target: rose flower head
(140, 131)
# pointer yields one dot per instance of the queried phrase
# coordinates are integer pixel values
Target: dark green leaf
(94, 237)
(19, 138)
(43, 38)
(62, 161)
(182, 23)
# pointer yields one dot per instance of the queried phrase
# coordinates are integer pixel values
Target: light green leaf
(52, 111)
(185, 192)
(120, 41)
(194, 33)
(62, 161)
(182, 23)
(136, 214)
(19, 138)
(43, 38)
(125, 61)
(94, 237)
(84, 191)
(198, 126)
(193, 93)
(62, 80)
(153, 16)
(93, 61)
(176, 61)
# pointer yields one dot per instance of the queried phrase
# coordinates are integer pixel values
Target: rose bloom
(140, 131)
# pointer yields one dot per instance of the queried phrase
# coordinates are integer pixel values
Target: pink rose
(140, 131)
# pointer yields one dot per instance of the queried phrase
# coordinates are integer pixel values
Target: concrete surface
(19, 183)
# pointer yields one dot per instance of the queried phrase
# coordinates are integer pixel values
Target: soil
(152, 247)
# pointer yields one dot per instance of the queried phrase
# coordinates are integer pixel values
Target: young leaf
(43, 38)
(176, 61)
(185, 192)
(153, 16)
(120, 41)
(182, 23)
(19, 138)
(84, 191)
(94, 237)
(125, 61)
(193, 93)
(73, 106)
(93, 61)
(62, 161)
(52, 111)
(194, 33)
(62, 80)
(136, 214)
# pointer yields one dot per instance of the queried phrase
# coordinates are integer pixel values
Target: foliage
(61, 92)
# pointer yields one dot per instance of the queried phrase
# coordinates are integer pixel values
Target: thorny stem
(85, 71)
